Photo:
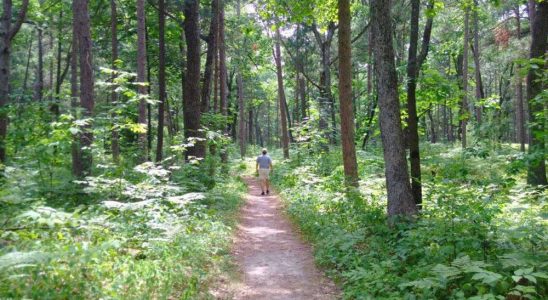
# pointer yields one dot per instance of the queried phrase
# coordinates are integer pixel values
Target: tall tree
(326, 96)
(281, 94)
(413, 68)
(86, 83)
(477, 65)
(75, 146)
(223, 75)
(142, 74)
(536, 170)
(464, 105)
(191, 92)
(115, 145)
(161, 79)
(39, 85)
(7, 33)
(520, 114)
(240, 94)
(345, 95)
(211, 50)
(400, 197)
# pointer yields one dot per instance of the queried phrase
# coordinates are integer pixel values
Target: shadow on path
(273, 260)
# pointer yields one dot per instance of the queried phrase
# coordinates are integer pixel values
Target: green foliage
(151, 233)
(480, 233)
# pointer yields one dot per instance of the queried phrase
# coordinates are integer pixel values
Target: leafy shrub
(480, 233)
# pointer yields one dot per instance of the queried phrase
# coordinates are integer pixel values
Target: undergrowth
(480, 235)
(146, 233)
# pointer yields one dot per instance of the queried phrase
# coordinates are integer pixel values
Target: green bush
(480, 235)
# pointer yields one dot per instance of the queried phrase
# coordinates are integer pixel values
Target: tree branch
(425, 39)
(20, 18)
(293, 58)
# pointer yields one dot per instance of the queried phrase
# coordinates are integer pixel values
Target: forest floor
(272, 259)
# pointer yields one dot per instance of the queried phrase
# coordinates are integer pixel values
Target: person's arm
(271, 165)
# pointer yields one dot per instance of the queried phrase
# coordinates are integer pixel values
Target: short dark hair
(264, 151)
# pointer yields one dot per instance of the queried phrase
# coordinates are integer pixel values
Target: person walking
(263, 168)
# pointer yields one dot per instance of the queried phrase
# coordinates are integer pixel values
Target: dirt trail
(273, 260)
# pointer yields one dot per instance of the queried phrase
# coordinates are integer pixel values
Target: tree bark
(86, 83)
(141, 75)
(114, 135)
(400, 197)
(477, 65)
(281, 94)
(464, 108)
(223, 76)
(412, 120)
(55, 104)
(161, 79)
(241, 112)
(75, 146)
(520, 115)
(536, 170)
(211, 49)
(345, 95)
(326, 97)
(7, 33)
(39, 85)
(29, 55)
(191, 92)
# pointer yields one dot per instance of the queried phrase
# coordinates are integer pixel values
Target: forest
(407, 139)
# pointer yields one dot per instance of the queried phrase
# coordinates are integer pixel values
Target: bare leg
(267, 183)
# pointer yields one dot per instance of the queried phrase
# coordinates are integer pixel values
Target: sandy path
(274, 262)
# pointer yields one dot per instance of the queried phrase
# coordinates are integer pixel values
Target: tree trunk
(412, 120)
(520, 115)
(241, 112)
(39, 85)
(114, 135)
(148, 105)
(281, 95)
(211, 49)
(326, 97)
(250, 126)
(464, 108)
(86, 83)
(141, 75)
(7, 33)
(55, 104)
(223, 76)
(75, 147)
(345, 95)
(191, 92)
(216, 72)
(433, 136)
(477, 66)
(29, 55)
(161, 79)
(536, 170)
(400, 197)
